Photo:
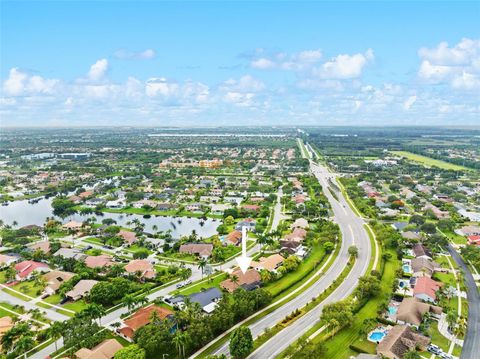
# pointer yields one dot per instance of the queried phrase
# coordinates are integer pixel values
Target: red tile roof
(428, 286)
(142, 318)
(26, 267)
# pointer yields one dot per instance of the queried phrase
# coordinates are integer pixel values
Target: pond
(25, 213)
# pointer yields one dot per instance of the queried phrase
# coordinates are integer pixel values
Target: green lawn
(429, 162)
(76, 306)
(215, 282)
(135, 247)
(339, 345)
(3, 279)
(438, 338)
(28, 288)
(307, 266)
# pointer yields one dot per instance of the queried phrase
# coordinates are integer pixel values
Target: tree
(340, 311)
(241, 342)
(55, 331)
(202, 264)
(142, 253)
(94, 311)
(131, 352)
(428, 228)
(353, 251)
(367, 287)
(181, 339)
(328, 247)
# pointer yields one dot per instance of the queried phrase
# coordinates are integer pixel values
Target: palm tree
(55, 332)
(333, 324)
(234, 279)
(129, 301)
(24, 344)
(202, 264)
(179, 341)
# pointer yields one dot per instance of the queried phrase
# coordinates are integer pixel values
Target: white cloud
(458, 66)
(461, 54)
(262, 64)
(295, 62)
(409, 102)
(19, 83)
(344, 66)
(98, 70)
(246, 83)
(131, 55)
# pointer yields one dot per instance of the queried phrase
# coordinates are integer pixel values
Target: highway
(471, 344)
(353, 233)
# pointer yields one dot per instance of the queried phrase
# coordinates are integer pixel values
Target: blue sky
(229, 63)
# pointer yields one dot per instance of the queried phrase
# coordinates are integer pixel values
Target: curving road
(471, 345)
(353, 233)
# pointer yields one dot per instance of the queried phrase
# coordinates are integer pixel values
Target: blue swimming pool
(376, 336)
(392, 310)
(406, 268)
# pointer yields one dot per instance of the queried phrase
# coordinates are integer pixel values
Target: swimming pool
(376, 336)
(392, 310)
(407, 268)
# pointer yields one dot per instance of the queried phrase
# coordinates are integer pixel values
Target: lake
(26, 213)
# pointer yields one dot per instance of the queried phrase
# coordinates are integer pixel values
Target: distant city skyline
(122, 63)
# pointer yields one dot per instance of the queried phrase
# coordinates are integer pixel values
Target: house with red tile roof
(98, 261)
(141, 318)
(251, 279)
(141, 266)
(128, 237)
(474, 240)
(426, 289)
(234, 237)
(43, 246)
(251, 207)
(25, 269)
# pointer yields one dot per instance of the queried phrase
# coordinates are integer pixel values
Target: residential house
(70, 253)
(422, 266)
(299, 223)
(81, 289)
(42, 246)
(400, 340)
(142, 267)
(248, 223)
(203, 250)
(145, 203)
(270, 263)
(141, 318)
(421, 251)
(220, 208)
(207, 299)
(103, 260)
(471, 230)
(105, 350)
(165, 206)
(6, 323)
(437, 212)
(128, 237)
(6, 260)
(251, 207)
(73, 226)
(473, 240)
(411, 235)
(233, 238)
(249, 281)
(426, 289)
(26, 269)
(55, 279)
(194, 207)
(399, 226)
(411, 311)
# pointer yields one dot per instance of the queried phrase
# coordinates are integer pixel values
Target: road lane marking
(353, 236)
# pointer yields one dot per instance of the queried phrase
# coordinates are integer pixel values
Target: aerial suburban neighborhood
(137, 252)
(267, 179)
